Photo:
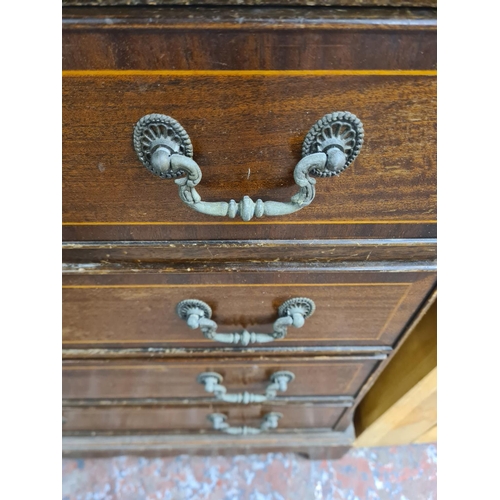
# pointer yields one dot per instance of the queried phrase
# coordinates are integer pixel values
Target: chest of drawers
(249, 220)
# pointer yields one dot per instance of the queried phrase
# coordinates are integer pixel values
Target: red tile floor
(402, 473)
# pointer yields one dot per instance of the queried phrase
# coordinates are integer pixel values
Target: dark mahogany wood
(247, 83)
(138, 310)
(309, 444)
(331, 251)
(248, 39)
(249, 230)
(392, 182)
(334, 376)
(337, 401)
(193, 418)
(260, 3)
(145, 352)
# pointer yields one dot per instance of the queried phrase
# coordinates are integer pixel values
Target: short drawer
(127, 310)
(194, 418)
(313, 377)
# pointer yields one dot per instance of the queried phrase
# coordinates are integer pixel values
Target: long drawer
(243, 152)
(194, 418)
(137, 309)
(247, 118)
(323, 376)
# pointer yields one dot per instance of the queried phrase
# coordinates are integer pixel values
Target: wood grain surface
(429, 436)
(335, 376)
(155, 255)
(351, 308)
(310, 444)
(396, 410)
(410, 417)
(285, 3)
(246, 38)
(247, 84)
(248, 144)
(413, 321)
(193, 418)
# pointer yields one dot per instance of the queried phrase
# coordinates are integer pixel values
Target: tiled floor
(402, 473)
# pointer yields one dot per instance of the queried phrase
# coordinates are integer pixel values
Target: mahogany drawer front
(327, 376)
(193, 418)
(139, 310)
(247, 133)
(248, 121)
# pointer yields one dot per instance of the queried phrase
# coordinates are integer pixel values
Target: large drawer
(247, 132)
(324, 376)
(247, 118)
(126, 310)
(193, 418)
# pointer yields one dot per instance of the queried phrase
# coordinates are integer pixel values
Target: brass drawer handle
(278, 381)
(269, 421)
(165, 149)
(293, 312)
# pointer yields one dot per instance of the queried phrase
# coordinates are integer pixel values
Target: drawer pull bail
(293, 312)
(219, 423)
(165, 149)
(212, 381)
